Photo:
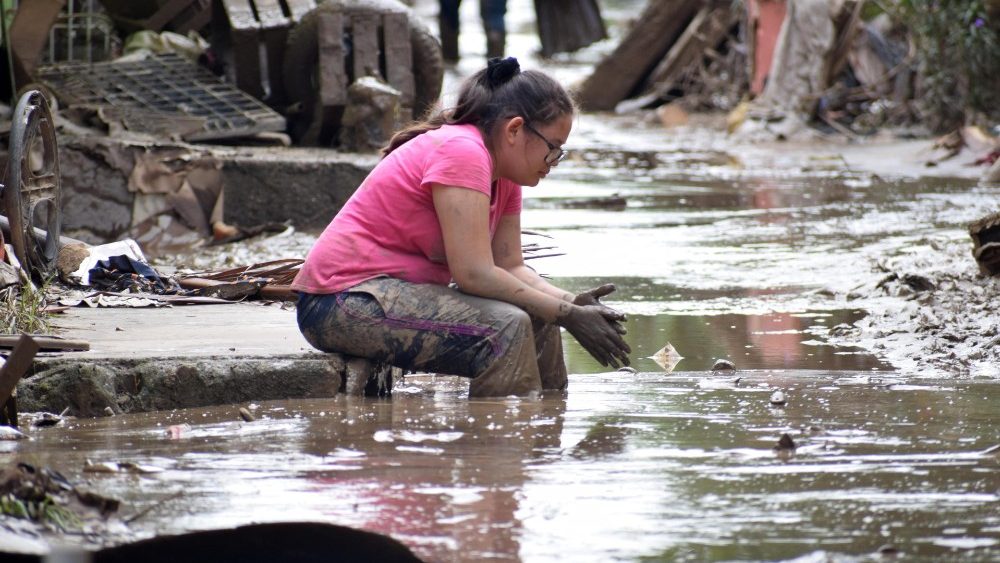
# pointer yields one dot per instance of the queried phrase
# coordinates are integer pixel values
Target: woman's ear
(514, 126)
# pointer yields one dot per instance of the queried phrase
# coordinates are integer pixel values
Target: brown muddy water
(646, 467)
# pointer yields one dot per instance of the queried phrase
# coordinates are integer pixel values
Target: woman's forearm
(503, 285)
(532, 279)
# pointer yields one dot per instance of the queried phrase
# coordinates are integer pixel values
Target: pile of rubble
(781, 69)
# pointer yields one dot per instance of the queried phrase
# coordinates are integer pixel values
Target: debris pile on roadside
(786, 70)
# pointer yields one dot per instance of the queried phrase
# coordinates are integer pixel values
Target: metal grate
(160, 88)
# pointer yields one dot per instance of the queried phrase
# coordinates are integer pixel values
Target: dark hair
(499, 91)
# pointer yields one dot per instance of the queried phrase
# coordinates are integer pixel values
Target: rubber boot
(495, 43)
(449, 40)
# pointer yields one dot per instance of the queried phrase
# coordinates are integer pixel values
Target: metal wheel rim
(33, 181)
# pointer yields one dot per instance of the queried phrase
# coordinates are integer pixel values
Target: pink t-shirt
(389, 226)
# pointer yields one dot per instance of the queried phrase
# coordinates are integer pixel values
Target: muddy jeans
(437, 329)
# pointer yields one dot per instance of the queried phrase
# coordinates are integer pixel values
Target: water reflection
(777, 340)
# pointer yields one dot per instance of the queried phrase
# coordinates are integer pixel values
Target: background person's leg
(493, 12)
(448, 27)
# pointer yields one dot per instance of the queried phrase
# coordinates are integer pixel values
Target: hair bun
(500, 71)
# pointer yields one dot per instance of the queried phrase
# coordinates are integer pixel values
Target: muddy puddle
(651, 467)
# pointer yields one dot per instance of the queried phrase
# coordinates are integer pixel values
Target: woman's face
(528, 151)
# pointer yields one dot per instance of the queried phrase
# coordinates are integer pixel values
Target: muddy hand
(595, 329)
(593, 297)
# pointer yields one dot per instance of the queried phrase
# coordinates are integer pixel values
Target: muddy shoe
(362, 377)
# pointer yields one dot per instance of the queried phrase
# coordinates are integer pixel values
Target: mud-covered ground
(930, 313)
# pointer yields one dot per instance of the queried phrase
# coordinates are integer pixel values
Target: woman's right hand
(594, 327)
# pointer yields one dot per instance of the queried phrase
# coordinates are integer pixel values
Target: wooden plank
(399, 56)
(240, 15)
(364, 35)
(619, 74)
(708, 28)
(332, 72)
(167, 12)
(246, 55)
(270, 15)
(274, 48)
(18, 364)
(44, 342)
(299, 8)
(29, 33)
(195, 19)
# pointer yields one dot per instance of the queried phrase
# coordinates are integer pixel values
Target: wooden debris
(620, 73)
(985, 235)
(46, 343)
(785, 444)
(17, 365)
(707, 30)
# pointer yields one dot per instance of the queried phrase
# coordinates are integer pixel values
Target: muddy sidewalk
(184, 356)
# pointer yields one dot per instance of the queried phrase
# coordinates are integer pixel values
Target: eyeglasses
(555, 153)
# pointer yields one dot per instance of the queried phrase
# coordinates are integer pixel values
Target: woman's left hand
(593, 297)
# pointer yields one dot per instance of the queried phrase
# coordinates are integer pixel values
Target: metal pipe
(40, 235)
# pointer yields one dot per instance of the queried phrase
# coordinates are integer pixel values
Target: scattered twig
(153, 506)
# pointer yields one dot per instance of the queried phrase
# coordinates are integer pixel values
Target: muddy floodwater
(747, 254)
(647, 467)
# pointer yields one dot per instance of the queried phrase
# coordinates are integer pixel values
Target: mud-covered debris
(843, 329)
(8, 433)
(246, 415)
(46, 496)
(119, 467)
(778, 399)
(177, 431)
(719, 382)
(785, 444)
(44, 419)
(918, 282)
(667, 357)
(723, 365)
(888, 549)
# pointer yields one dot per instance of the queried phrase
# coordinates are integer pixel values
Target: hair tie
(500, 71)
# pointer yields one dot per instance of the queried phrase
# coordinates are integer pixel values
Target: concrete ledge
(179, 357)
(90, 388)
